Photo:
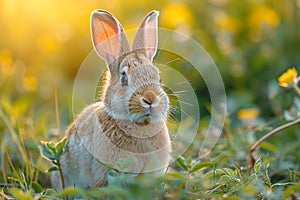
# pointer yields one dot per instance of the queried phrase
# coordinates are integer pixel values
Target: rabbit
(129, 120)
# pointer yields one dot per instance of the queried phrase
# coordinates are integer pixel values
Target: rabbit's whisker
(186, 103)
(175, 59)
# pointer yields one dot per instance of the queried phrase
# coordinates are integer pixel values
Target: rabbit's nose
(149, 98)
(146, 101)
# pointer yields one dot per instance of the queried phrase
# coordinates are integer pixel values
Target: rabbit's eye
(124, 79)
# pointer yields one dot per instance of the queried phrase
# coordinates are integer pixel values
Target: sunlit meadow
(255, 45)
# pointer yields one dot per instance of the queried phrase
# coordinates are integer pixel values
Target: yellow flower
(30, 83)
(177, 14)
(6, 61)
(262, 20)
(288, 78)
(5, 57)
(263, 15)
(226, 22)
(247, 113)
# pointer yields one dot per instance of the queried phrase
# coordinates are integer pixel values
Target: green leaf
(257, 165)
(177, 175)
(182, 162)
(58, 154)
(36, 187)
(53, 151)
(269, 160)
(45, 151)
(229, 172)
(269, 146)
(201, 165)
(224, 180)
(54, 168)
(109, 165)
(19, 194)
(50, 192)
(51, 145)
(70, 191)
(74, 192)
(60, 146)
(290, 189)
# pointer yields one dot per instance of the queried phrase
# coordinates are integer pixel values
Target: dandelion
(289, 79)
(247, 113)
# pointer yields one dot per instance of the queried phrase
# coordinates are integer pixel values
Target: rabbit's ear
(145, 39)
(109, 39)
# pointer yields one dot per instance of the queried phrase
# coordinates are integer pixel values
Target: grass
(222, 174)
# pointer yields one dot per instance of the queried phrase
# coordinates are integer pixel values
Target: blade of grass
(14, 135)
(18, 177)
(18, 139)
(3, 146)
(57, 114)
(28, 166)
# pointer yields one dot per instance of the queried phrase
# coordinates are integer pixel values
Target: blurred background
(43, 43)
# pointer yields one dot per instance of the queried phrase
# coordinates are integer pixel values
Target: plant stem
(61, 174)
(187, 184)
(297, 89)
(250, 160)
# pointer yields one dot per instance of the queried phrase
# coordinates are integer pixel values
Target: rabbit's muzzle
(149, 99)
(148, 105)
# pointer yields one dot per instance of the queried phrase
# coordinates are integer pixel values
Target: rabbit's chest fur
(96, 140)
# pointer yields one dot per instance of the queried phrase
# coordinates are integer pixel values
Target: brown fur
(83, 156)
(129, 123)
